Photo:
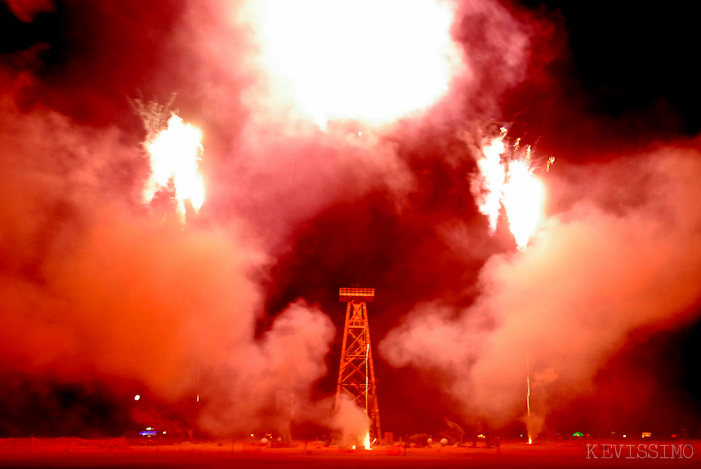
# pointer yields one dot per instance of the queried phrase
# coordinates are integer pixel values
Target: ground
(123, 453)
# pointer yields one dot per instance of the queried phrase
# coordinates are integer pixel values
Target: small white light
(137, 397)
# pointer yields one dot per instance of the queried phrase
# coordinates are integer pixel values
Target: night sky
(103, 296)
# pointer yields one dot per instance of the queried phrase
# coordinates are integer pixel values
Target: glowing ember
(359, 59)
(510, 184)
(175, 152)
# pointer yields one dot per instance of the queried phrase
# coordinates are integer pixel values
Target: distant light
(198, 398)
(149, 428)
(164, 432)
(624, 436)
(578, 434)
(137, 397)
(647, 434)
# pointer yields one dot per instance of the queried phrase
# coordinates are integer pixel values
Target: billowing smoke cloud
(620, 261)
(96, 287)
(285, 362)
(94, 284)
(351, 423)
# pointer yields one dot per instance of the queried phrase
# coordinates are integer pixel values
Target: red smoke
(240, 304)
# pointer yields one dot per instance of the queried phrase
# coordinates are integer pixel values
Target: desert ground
(125, 453)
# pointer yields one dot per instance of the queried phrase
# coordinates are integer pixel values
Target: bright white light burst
(368, 60)
(175, 152)
(507, 179)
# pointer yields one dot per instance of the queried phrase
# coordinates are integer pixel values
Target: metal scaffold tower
(356, 375)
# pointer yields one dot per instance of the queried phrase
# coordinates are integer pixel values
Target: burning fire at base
(506, 179)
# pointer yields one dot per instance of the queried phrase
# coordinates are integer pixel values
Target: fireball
(523, 198)
(175, 153)
(367, 60)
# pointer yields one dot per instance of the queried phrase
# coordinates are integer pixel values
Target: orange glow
(368, 60)
(367, 440)
(175, 152)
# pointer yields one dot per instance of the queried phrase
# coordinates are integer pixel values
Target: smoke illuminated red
(339, 136)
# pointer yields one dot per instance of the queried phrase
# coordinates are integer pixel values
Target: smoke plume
(235, 313)
(621, 261)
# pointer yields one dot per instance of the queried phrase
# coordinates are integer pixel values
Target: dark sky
(102, 301)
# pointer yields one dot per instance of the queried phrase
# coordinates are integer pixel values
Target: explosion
(97, 296)
(511, 184)
(488, 187)
(363, 60)
(175, 152)
(523, 199)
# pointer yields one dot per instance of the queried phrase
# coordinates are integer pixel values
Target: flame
(358, 59)
(367, 440)
(523, 198)
(510, 184)
(489, 185)
(175, 152)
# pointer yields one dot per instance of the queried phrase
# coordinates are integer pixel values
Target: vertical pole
(528, 400)
(367, 376)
